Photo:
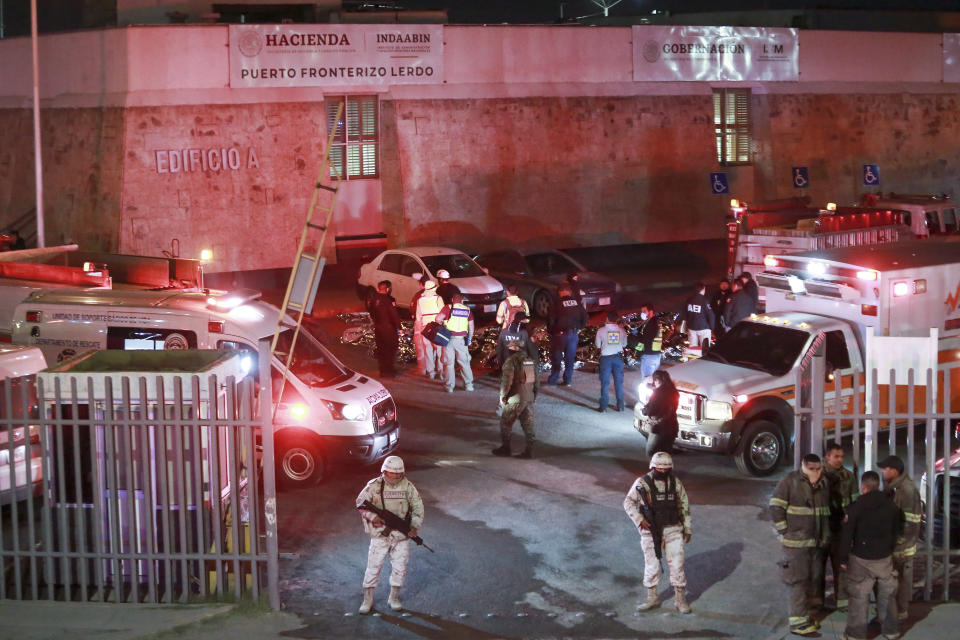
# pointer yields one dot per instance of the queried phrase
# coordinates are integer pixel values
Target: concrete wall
(538, 135)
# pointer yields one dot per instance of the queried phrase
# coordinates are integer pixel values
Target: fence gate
(126, 492)
(911, 413)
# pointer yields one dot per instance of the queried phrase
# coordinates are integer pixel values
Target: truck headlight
(716, 410)
(341, 411)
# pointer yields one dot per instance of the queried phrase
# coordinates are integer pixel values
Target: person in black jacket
(719, 305)
(386, 327)
(516, 331)
(870, 533)
(661, 412)
(566, 321)
(739, 307)
(698, 315)
(750, 286)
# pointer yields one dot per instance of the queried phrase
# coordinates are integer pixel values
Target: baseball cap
(891, 462)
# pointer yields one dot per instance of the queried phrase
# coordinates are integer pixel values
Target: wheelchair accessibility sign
(871, 175)
(801, 177)
(718, 183)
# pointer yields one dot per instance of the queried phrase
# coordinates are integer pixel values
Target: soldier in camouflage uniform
(661, 495)
(519, 386)
(907, 498)
(843, 491)
(393, 492)
(800, 511)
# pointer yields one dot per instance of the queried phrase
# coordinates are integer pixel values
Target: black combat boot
(503, 450)
(527, 453)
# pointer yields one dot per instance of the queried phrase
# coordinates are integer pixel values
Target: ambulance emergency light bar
(232, 299)
(818, 268)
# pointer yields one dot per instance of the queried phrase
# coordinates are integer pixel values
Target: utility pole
(38, 159)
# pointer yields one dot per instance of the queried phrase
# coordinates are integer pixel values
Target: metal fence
(912, 416)
(137, 496)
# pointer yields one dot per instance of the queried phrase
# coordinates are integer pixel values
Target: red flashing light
(868, 309)
(900, 289)
(215, 326)
(867, 275)
(34, 316)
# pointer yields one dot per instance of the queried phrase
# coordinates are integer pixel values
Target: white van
(328, 412)
(925, 215)
(17, 367)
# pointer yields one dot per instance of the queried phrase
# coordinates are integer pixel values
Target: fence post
(269, 475)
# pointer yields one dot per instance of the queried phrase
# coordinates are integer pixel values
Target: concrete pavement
(58, 620)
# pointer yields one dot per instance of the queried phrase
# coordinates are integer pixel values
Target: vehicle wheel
(761, 449)
(542, 304)
(299, 464)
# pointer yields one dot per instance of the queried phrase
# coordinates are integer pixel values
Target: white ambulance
(327, 411)
(739, 398)
(20, 456)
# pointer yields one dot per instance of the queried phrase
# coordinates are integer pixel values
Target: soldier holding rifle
(657, 503)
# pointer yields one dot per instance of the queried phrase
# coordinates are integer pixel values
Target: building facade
(550, 135)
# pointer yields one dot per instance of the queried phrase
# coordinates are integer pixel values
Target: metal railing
(918, 409)
(138, 497)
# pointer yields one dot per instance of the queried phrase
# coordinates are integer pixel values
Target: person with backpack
(519, 386)
(510, 307)
(429, 305)
(517, 332)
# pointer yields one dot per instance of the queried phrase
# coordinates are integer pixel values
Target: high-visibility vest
(657, 345)
(428, 307)
(509, 308)
(459, 321)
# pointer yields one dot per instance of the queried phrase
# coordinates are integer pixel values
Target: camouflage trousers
(672, 553)
(398, 549)
(513, 410)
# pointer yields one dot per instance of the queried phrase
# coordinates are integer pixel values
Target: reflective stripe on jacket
(907, 498)
(801, 512)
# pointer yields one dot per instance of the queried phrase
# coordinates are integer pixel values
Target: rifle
(393, 521)
(656, 531)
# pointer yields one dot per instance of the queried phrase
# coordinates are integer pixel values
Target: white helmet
(393, 464)
(417, 276)
(429, 285)
(660, 460)
(443, 273)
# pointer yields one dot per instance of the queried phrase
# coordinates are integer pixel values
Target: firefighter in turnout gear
(658, 505)
(393, 492)
(907, 499)
(458, 319)
(843, 491)
(519, 386)
(800, 511)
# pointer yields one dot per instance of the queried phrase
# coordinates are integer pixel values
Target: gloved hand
(645, 525)
(686, 538)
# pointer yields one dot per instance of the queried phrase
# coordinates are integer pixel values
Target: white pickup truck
(738, 399)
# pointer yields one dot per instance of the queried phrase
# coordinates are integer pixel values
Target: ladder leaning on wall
(308, 263)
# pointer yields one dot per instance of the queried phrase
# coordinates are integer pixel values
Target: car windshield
(459, 265)
(311, 362)
(549, 264)
(754, 345)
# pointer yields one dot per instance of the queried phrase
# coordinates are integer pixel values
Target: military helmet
(393, 464)
(661, 460)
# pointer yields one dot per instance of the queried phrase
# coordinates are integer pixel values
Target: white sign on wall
(951, 57)
(715, 54)
(312, 55)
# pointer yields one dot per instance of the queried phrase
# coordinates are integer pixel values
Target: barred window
(731, 117)
(354, 152)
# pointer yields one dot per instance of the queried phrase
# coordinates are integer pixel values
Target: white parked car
(481, 292)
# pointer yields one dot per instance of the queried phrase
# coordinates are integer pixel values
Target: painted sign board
(321, 55)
